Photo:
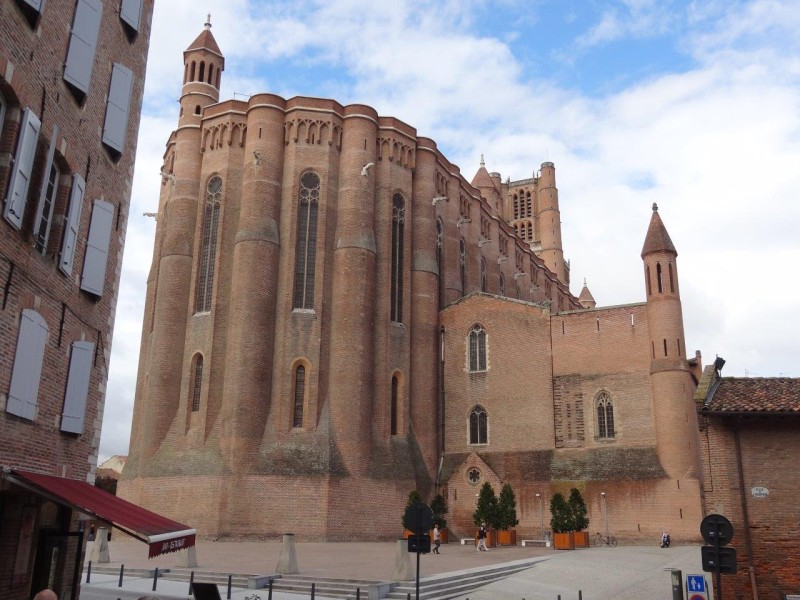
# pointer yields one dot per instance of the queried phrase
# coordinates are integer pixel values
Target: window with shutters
(80, 371)
(398, 224)
(462, 264)
(20, 178)
(115, 126)
(208, 245)
(82, 45)
(197, 382)
(72, 225)
(27, 370)
(477, 349)
(130, 14)
(604, 409)
(483, 274)
(478, 426)
(299, 395)
(32, 9)
(306, 249)
(93, 277)
(47, 198)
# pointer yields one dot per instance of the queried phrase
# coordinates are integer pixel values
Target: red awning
(163, 535)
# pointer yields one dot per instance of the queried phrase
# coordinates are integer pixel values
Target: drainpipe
(441, 408)
(747, 541)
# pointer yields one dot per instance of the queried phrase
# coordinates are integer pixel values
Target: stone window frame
(305, 258)
(196, 385)
(480, 417)
(605, 427)
(208, 245)
(478, 349)
(398, 258)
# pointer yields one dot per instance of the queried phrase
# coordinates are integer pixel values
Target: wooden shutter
(94, 263)
(82, 44)
(130, 12)
(21, 171)
(27, 369)
(117, 107)
(51, 151)
(73, 224)
(80, 370)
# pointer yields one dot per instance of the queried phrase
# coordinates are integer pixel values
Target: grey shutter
(51, 151)
(73, 224)
(119, 101)
(80, 370)
(94, 263)
(37, 5)
(82, 44)
(21, 171)
(130, 12)
(27, 370)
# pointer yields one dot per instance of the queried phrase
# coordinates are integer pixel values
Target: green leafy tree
(439, 510)
(507, 508)
(413, 497)
(561, 520)
(578, 508)
(486, 511)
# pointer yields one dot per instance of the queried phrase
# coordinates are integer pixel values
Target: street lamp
(541, 513)
(605, 511)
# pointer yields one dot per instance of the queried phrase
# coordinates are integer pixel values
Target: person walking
(482, 538)
(437, 539)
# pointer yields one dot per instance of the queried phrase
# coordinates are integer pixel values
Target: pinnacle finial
(584, 282)
(207, 24)
(483, 164)
(655, 207)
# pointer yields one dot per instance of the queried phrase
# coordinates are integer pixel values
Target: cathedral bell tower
(670, 377)
(203, 64)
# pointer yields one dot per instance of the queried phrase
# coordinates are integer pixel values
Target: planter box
(507, 537)
(564, 541)
(581, 539)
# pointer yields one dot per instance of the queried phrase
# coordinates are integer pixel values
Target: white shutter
(94, 263)
(130, 12)
(80, 370)
(73, 224)
(51, 151)
(21, 171)
(117, 107)
(27, 365)
(82, 44)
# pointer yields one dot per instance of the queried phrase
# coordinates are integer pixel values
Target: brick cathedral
(335, 316)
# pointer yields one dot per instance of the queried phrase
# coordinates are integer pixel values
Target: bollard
(580, 595)
(191, 581)
(313, 587)
(121, 572)
(358, 593)
(155, 579)
(269, 594)
(408, 596)
(230, 578)
(89, 572)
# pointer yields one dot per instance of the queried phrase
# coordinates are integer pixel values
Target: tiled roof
(205, 41)
(482, 178)
(657, 239)
(755, 395)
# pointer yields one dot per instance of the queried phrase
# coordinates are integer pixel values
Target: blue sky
(694, 105)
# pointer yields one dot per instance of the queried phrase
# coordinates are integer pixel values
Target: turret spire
(207, 24)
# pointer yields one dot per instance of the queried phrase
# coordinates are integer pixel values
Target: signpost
(717, 530)
(696, 587)
(419, 517)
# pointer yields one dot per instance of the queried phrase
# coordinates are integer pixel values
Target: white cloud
(717, 147)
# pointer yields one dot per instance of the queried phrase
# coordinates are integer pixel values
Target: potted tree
(507, 517)
(486, 512)
(439, 510)
(580, 517)
(413, 497)
(562, 523)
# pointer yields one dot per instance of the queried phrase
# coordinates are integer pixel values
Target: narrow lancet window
(398, 223)
(208, 245)
(306, 251)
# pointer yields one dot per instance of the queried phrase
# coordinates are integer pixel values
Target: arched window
(605, 416)
(208, 247)
(478, 423)
(671, 280)
(462, 263)
(185, 72)
(197, 109)
(516, 207)
(197, 382)
(395, 392)
(299, 394)
(306, 252)
(398, 221)
(477, 349)
(528, 212)
(502, 285)
(439, 265)
(191, 75)
(483, 274)
(530, 232)
(649, 284)
(210, 73)
(202, 76)
(659, 278)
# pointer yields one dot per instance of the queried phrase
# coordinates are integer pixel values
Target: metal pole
(89, 572)
(580, 595)
(358, 593)
(230, 578)
(269, 593)
(191, 582)
(155, 579)
(717, 544)
(605, 512)
(121, 571)
(313, 590)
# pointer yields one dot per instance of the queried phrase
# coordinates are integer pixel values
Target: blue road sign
(696, 583)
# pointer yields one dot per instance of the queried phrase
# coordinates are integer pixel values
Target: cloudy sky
(694, 105)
